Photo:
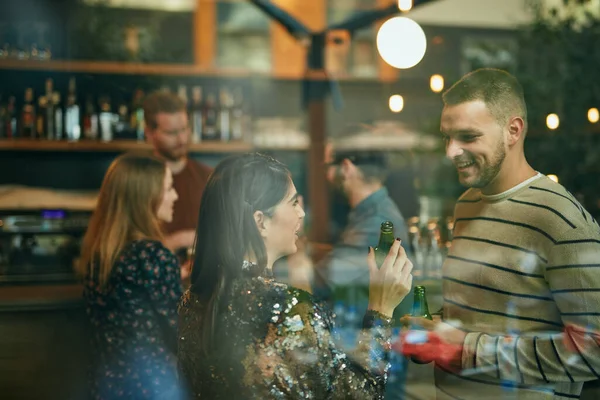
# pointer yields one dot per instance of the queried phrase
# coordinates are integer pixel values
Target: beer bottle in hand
(386, 240)
(420, 309)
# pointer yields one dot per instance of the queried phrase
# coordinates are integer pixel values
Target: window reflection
(243, 37)
(356, 57)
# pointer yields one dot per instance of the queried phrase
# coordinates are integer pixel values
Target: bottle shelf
(114, 146)
(132, 68)
(123, 68)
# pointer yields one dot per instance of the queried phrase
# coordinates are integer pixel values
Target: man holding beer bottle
(521, 284)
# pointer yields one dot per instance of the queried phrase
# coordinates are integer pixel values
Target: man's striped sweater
(522, 265)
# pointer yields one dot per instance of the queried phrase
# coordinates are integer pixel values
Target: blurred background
(74, 73)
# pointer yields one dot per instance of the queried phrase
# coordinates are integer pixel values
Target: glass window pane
(243, 39)
(359, 57)
(250, 51)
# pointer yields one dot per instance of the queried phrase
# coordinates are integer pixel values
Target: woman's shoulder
(282, 300)
(147, 248)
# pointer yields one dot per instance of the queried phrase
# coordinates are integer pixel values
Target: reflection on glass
(357, 57)
(243, 37)
(163, 5)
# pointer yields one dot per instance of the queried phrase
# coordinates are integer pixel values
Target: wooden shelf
(127, 68)
(114, 146)
(124, 68)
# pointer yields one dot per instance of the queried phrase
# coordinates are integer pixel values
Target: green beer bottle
(420, 309)
(386, 240)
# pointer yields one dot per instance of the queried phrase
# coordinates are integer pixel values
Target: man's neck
(509, 177)
(358, 194)
(175, 166)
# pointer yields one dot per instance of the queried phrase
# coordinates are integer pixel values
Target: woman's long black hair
(227, 231)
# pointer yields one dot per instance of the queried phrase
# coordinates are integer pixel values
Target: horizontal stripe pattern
(524, 264)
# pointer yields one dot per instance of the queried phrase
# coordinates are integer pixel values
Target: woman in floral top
(132, 283)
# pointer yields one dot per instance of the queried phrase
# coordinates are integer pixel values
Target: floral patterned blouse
(134, 325)
(273, 341)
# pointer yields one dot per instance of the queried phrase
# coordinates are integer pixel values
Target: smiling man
(523, 263)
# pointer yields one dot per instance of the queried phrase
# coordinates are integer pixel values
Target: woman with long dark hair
(243, 335)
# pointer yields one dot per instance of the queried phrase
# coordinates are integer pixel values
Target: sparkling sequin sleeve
(299, 358)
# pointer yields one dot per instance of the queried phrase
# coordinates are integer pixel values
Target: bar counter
(44, 342)
(36, 297)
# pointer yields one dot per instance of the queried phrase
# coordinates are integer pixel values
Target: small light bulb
(436, 83)
(593, 115)
(396, 103)
(552, 121)
(405, 5)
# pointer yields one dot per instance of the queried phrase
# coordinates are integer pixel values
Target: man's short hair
(500, 91)
(372, 164)
(161, 102)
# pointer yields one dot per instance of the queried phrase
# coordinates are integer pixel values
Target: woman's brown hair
(129, 198)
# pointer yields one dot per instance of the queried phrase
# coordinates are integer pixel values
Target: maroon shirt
(189, 184)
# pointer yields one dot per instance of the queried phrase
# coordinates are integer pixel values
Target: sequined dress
(273, 341)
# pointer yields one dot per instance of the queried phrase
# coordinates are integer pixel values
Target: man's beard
(171, 156)
(489, 172)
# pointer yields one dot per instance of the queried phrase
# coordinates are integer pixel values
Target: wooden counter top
(39, 296)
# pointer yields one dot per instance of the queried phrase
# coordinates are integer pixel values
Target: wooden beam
(205, 33)
(288, 55)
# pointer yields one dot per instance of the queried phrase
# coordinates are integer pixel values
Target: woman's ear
(261, 223)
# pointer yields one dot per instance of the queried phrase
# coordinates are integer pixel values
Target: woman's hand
(390, 283)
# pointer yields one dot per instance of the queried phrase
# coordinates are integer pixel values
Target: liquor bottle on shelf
(72, 114)
(11, 118)
(238, 117)
(122, 129)
(48, 131)
(41, 120)
(106, 119)
(90, 120)
(197, 115)
(59, 126)
(210, 116)
(224, 122)
(137, 115)
(182, 94)
(28, 116)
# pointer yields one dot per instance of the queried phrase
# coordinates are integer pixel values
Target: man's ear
(516, 130)
(261, 223)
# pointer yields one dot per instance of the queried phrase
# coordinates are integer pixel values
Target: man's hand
(441, 343)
